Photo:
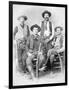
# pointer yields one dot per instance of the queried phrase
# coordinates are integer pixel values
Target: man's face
(46, 16)
(58, 31)
(21, 20)
(35, 30)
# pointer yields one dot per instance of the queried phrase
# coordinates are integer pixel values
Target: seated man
(33, 46)
(58, 45)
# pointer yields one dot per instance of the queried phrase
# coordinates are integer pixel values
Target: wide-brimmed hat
(25, 17)
(49, 13)
(36, 27)
(61, 28)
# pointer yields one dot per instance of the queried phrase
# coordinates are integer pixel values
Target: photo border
(11, 3)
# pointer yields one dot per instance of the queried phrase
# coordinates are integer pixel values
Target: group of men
(33, 45)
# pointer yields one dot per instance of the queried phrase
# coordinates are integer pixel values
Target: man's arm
(15, 31)
(41, 29)
(28, 32)
(62, 49)
(27, 44)
(52, 33)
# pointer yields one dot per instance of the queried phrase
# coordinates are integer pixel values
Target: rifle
(37, 62)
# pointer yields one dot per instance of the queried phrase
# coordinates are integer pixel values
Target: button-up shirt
(21, 32)
(46, 28)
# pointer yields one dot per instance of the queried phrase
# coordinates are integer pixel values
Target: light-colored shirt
(21, 32)
(46, 29)
(58, 42)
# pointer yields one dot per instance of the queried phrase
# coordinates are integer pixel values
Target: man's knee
(52, 56)
(41, 57)
(29, 60)
(50, 52)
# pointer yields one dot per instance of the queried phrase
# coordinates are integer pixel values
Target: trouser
(24, 57)
(51, 54)
(19, 54)
(29, 63)
(21, 59)
(46, 46)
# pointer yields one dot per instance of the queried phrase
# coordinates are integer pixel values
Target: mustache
(47, 18)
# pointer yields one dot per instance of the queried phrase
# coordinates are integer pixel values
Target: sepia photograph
(37, 44)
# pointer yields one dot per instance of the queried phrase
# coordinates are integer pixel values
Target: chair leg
(60, 61)
(37, 69)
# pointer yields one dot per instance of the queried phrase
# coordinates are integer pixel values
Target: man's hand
(39, 53)
(29, 54)
(51, 51)
(30, 51)
(47, 40)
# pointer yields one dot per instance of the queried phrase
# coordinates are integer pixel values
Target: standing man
(22, 30)
(21, 33)
(47, 31)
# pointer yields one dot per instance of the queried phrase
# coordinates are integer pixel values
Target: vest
(22, 32)
(34, 43)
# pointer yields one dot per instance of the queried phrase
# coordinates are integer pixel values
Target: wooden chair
(59, 57)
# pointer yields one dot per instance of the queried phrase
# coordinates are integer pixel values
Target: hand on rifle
(29, 53)
(39, 53)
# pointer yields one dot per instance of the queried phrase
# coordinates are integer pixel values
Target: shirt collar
(35, 37)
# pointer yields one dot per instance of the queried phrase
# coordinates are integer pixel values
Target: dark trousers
(19, 53)
(21, 59)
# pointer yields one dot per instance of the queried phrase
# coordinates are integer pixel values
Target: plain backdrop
(34, 15)
(4, 40)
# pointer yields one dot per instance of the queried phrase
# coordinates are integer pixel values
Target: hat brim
(25, 17)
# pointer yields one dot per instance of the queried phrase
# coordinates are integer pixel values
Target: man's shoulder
(16, 27)
(26, 25)
(42, 22)
(59, 36)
